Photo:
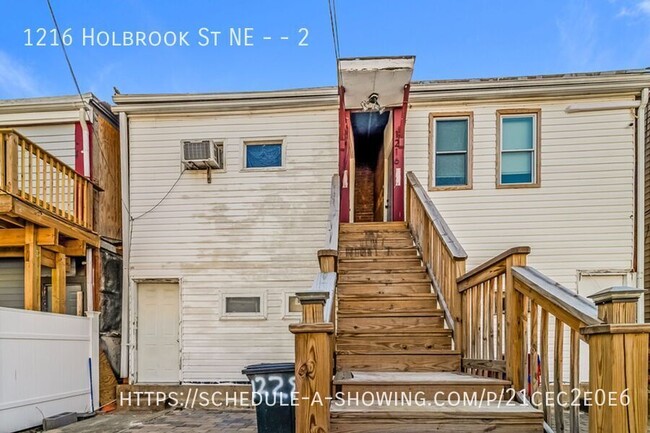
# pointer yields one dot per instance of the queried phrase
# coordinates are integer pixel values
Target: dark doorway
(369, 165)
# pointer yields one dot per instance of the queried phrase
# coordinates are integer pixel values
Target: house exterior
(64, 173)
(552, 162)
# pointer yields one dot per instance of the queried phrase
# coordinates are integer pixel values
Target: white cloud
(16, 80)
(639, 8)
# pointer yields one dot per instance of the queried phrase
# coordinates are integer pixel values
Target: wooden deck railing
(314, 335)
(503, 314)
(515, 323)
(35, 176)
(441, 252)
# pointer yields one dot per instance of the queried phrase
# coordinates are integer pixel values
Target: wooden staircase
(391, 342)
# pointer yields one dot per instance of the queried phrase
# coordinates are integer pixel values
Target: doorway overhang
(385, 76)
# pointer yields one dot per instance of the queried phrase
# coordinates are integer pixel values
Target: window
(243, 306)
(451, 141)
(293, 304)
(263, 155)
(518, 149)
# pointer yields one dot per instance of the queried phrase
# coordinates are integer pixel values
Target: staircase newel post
(514, 312)
(618, 364)
(314, 364)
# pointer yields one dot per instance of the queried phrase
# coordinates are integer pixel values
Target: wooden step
(439, 360)
(352, 252)
(419, 302)
(387, 323)
(373, 264)
(377, 289)
(383, 277)
(430, 416)
(381, 226)
(393, 343)
(376, 243)
(403, 385)
(372, 236)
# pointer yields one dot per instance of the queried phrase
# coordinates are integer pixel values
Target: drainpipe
(86, 141)
(126, 345)
(640, 199)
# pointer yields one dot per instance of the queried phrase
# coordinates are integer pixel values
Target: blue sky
(451, 39)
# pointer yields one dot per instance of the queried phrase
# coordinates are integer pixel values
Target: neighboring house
(216, 255)
(61, 186)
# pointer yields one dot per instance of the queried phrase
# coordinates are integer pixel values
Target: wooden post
(515, 356)
(618, 364)
(314, 368)
(11, 164)
(327, 260)
(58, 284)
(32, 289)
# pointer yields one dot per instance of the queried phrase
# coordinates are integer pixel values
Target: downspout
(126, 246)
(85, 137)
(85, 141)
(640, 197)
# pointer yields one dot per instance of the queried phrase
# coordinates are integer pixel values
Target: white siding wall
(56, 139)
(582, 216)
(248, 232)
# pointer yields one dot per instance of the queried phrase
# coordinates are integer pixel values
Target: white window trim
(434, 118)
(534, 150)
(270, 140)
(262, 315)
(285, 307)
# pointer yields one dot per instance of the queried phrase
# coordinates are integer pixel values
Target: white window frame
(262, 315)
(535, 114)
(285, 307)
(433, 120)
(260, 141)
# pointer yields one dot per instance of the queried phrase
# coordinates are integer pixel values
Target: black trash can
(273, 388)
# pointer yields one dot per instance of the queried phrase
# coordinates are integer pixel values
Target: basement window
(263, 155)
(451, 151)
(518, 149)
(243, 306)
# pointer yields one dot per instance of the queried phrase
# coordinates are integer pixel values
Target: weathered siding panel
(581, 218)
(248, 232)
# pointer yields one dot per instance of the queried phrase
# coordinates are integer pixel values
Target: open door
(373, 102)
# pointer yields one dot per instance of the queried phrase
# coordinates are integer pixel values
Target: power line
(65, 52)
(83, 101)
(335, 36)
(161, 200)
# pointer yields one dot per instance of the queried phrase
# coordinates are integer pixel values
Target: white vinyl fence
(44, 366)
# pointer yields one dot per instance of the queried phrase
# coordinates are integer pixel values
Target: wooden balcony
(46, 214)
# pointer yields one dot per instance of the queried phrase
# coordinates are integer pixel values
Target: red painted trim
(399, 125)
(79, 146)
(344, 157)
(78, 149)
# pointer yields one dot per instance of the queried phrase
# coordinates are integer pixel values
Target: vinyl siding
(246, 233)
(11, 283)
(56, 139)
(581, 218)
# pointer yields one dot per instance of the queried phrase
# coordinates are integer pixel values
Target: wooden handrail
(488, 269)
(450, 242)
(442, 254)
(509, 310)
(574, 310)
(36, 176)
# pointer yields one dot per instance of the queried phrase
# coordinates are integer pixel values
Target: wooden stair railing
(509, 310)
(35, 176)
(314, 335)
(441, 253)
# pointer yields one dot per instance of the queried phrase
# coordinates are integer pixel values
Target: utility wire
(335, 37)
(83, 101)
